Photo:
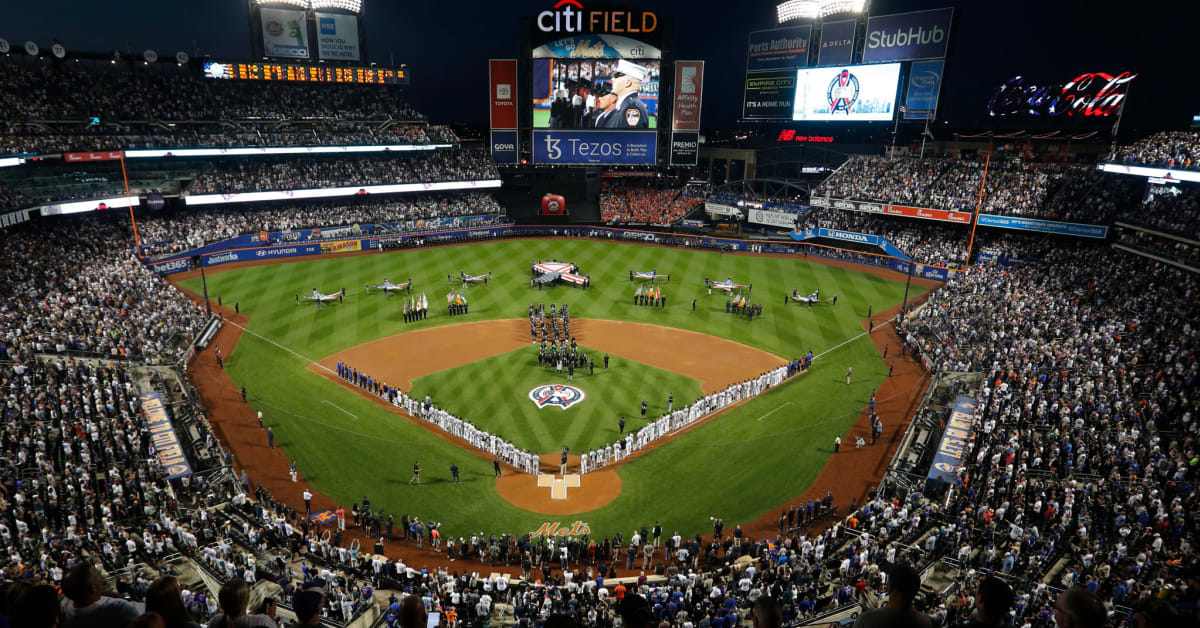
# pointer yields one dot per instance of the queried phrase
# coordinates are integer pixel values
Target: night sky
(446, 46)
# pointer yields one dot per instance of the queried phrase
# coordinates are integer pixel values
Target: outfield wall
(252, 247)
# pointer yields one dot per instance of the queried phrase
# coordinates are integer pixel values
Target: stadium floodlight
(303, 4)
(353, 6)
(814, 9)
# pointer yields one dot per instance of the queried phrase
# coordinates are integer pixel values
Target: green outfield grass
(541, 119)
(609, 394)
(737, 466)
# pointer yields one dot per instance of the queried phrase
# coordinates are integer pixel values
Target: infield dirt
(848, 475)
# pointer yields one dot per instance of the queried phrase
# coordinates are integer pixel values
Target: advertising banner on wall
(952, 450)
(685, 148)
(769, 95)
(337, 37)
(924, 84)
(778, 48)
(167, 447)
(837, 43)
(504, 147)
(284, 33)
(689, 93)
(1043, 226)
(908, 36)
(783, 220)
(595, 147)
(502, 81)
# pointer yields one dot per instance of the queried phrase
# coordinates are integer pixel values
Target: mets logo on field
(843, 92)
(556, 395)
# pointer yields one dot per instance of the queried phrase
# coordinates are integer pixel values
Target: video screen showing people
(601, 94)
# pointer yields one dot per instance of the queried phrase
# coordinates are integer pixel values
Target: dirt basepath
(399, 360)
(848, 475)
(852, 473)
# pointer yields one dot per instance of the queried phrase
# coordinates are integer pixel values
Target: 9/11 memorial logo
(842, 92)
(556, 395)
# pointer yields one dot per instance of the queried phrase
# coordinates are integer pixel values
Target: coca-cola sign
(1095, 94)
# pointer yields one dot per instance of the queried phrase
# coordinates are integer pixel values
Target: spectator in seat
(235, 598)
(992, 601)
(165, 598)
(903, 585)
(86, 605)
(1078, 608)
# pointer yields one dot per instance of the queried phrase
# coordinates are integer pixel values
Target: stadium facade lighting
(816, 9)
(353, 6)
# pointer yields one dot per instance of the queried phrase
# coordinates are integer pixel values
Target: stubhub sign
(581, 148)
(908, 36)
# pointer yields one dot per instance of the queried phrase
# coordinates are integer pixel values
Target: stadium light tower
(817, 9)
(353, 6)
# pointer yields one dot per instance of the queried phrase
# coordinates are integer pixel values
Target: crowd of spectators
(1173, 211)
(1079, 475)
(1014, 187)
(1084, 458)
(77, 287)
(1169, 149)
(1187, 253)
(186, 229)
(626, 203)
(42, 139)
(40, 93)
(925, 241)
(294, 174)
(60, 109)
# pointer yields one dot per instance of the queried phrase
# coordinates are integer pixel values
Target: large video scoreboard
(290, 72)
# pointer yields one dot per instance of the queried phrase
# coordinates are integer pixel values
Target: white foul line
(355, 416)
(851, 340)
(773, 411)
(314, 362)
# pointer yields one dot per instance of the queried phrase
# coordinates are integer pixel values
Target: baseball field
(482, 367)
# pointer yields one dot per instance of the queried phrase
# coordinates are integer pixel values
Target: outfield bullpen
(737, 466)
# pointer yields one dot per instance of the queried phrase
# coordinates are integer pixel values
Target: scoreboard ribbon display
(290, 72)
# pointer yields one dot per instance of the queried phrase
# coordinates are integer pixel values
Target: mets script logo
(843, 92)
(556, 395)
(944, 467)
(324, 516)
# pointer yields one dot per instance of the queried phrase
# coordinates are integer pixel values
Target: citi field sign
(569, 16)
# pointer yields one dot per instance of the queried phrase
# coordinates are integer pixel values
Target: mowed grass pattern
(737, 466)
(593, 422)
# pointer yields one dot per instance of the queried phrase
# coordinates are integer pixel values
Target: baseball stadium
(290, 338)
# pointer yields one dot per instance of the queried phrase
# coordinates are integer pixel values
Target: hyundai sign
(908, 36)
(582, 148)
(504, 147)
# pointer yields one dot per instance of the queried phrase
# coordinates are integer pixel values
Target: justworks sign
(569, 16)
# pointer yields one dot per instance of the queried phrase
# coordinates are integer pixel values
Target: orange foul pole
(978, 206)
(137, 249)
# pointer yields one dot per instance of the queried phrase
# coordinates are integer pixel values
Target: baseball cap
(628, 68)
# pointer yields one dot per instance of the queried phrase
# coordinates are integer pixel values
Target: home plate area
(558, 486)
